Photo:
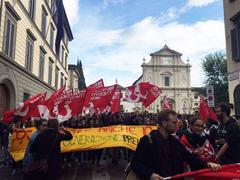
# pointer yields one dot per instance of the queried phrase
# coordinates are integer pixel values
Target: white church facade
(167, 70)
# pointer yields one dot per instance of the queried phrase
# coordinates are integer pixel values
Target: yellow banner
(86, 139)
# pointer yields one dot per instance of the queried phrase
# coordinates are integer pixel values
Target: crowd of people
(198, 141)
(74, 158)
(169, 151)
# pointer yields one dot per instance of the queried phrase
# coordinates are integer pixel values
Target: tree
(215, 69)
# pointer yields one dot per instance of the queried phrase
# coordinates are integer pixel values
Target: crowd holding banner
(86, 139)
(94, 119)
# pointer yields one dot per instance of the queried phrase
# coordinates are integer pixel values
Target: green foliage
(215, 70)
(201, 91)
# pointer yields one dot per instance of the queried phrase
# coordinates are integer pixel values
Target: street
(105, 171)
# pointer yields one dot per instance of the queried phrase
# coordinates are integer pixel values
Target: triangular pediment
(166, 51)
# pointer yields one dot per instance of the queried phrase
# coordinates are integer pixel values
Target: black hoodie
(151, 157)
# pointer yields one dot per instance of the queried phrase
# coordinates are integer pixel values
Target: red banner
(26, 109)
(50, 103)
(33, 102)
(115, 103)
(62, 104)
(98, 97)
(142, 92)
(227, 172)
(153, 93)
(48, 109)
(206, 112)
(77, 104)
(97, 84)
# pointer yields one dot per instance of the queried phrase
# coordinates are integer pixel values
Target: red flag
(97, 84)
(26, 109)
(135, 94)
(153, 93)
(227, 172)
(8, 116)
(62, 108)
(115, 103)
(54, 98)
(142, 92)
(212, 115)
(98, 97)
(48, 109)
(90, 108)
(33, 102)
(66, 104)
(77, 104)
(166, 104)
(208, 153)
(203, 112)
(206, 112)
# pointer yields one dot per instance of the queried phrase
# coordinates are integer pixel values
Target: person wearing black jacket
(5, 130)
(160, 154)
(230, 134)
(47, 145)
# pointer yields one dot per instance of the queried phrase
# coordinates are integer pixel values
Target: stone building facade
(28, 60)
(167, 70)
(76, 77)
(232, 32)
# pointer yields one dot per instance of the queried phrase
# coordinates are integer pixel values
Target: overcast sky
(112, 37)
